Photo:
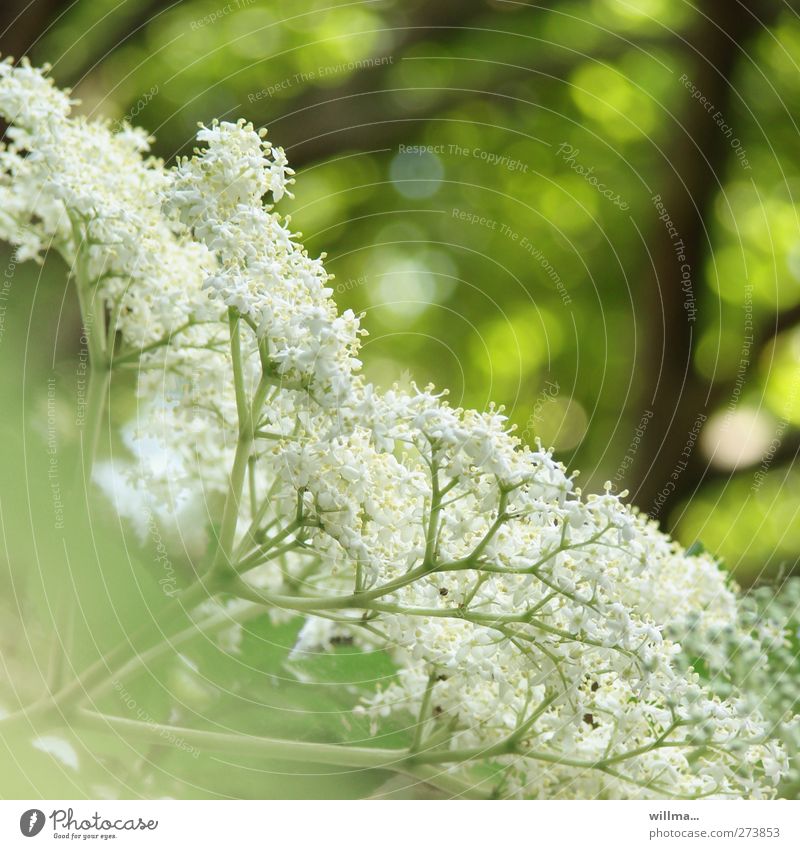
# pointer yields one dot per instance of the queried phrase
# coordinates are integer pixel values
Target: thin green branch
(133, 355)
(247, 414)
(422, 717)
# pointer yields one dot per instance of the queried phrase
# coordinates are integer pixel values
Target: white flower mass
(536, 631)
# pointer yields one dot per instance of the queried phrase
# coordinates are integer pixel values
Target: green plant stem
(359, 600)
(365, 600)
(96, 400)
(133, 355)
(246, 744)
(432, 529)
(104, 670)
(257, 556)
(233, 744)
(422, 718)
(92, 315)
(138, 642)
(440, 779)
(343, 755)
(248, 415)
(210, 625)
(64, 698)
(99, 380)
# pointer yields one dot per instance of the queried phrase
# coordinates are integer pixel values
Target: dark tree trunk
(23, 21)
(697, 158)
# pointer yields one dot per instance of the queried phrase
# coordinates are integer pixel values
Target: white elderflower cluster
(519, 611)
(90, 193)
(263, 273)
(755, 657)
(534, 630)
